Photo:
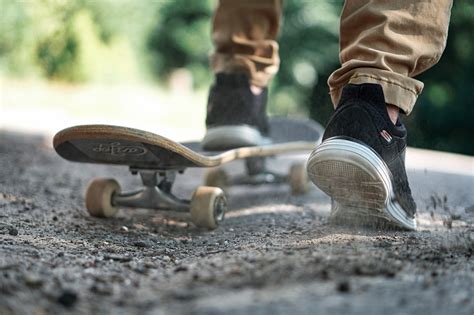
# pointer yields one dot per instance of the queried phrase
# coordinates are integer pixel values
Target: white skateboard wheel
(99, 196)
(216, 177)
(208, 206)
(298, 179)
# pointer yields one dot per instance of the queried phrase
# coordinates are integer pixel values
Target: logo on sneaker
(118, 149)
(386, 136)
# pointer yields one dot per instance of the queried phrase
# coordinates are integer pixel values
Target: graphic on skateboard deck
(158, 160)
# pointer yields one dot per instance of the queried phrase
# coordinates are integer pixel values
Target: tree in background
(309, 48)
(75, 41)
(442, 117)
(109, 41)
(181, 38)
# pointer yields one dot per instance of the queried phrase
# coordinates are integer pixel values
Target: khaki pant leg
(244, 34)
(389, 42)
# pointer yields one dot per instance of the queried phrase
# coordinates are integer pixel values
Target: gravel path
(274, 254)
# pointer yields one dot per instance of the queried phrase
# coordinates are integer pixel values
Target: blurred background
(144, 64)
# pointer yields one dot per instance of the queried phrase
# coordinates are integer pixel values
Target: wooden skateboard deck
(145, 150)
(158, 159)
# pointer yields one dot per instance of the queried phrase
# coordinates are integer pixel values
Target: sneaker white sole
(358, 181)
(229, 137)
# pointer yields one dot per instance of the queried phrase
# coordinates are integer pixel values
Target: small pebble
(13, 231)
(102, 289)
(180, 269)
(183, 295)
(118, 258)
(140, 244)
(124, 229)
(33, 281)
(67, 298)
(343, 286)
(455, 216)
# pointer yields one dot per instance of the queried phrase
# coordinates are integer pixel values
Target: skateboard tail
(123, 146)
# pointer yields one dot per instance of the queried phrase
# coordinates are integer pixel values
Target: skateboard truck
(156, 193)
(257, 173)
(207, 205)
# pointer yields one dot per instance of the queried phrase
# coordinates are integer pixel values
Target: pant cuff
(398, 89)
(228, 63)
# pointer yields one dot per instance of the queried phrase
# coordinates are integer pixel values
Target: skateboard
(158, 160)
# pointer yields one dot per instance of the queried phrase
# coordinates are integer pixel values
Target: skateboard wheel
(298, 179)
(99, 196)
(217, 177)
(208, 206)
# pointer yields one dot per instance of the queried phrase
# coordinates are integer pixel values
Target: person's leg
(361, 162)
(244, 34)
(244, 61)
(388, 43)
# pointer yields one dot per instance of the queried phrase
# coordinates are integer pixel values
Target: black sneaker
(235, 116)
(361, 162)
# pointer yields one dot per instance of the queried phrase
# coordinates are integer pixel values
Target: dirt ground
(274, 254)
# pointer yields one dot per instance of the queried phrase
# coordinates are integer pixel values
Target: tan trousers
(381, 41)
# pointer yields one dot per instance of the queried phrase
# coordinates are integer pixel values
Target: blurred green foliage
(126, 40)
(309, 48)
(443, 116)
(182, 39)
(75, 41)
